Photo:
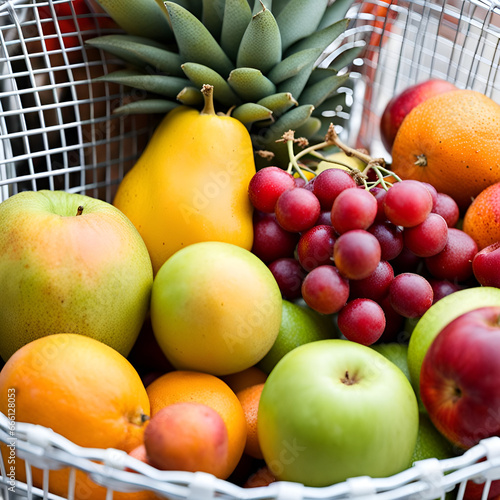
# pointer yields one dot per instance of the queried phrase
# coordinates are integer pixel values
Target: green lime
(430, 442)
(299, 325)
(395, 352)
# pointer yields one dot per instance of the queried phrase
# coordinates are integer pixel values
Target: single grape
(407, 203)
(300, 182)
(353, 209)
(454, 262)
(427, 238)
(442, 288)
(394, 323)
(447, 208)
(432, 191)
(361, 321)
(289, 275)
(375, 286)
(406, 262)
(270, 240)
(315, 247)
(379, 194)
(329, 184)
(267, 185)
(325, 290)
(390, 238)
(410, 295)
(324, 219)
(297, 210)
(356, 254)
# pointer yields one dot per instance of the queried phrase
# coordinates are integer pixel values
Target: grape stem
(378, 165)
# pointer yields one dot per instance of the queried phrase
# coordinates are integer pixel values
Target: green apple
(215, 308)
(299, 325)
(335, 409)
(63, 271)
(395, 352)
(438, 316)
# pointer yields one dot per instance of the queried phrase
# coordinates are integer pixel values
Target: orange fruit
(249, 399)
(246, 378)
(82, 389)
(482, 218)
(451, 141)
(198, 387)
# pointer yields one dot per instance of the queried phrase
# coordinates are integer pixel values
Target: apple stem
(79, 210)
(347, 380)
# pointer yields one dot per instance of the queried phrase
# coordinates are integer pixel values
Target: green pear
(70, 264)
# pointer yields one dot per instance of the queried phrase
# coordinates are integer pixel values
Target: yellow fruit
(191, 183)
(81, 389)
(215, 308)
(343, 160)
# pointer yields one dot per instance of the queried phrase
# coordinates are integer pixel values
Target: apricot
(189, 437)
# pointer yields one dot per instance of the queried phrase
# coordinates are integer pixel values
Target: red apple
(460, 377)
(400, 105)
(486, 265)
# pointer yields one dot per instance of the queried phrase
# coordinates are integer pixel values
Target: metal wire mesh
(410, 41)
(56, 124)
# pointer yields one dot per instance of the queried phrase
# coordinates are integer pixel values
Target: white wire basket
(57, 131)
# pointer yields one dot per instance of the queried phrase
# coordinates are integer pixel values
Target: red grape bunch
(373, 256)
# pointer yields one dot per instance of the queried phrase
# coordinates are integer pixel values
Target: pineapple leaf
(299, 19)
(200, 75)
(237, 15)
(316, 94)
(250, 84)
(190, 96)
(140, 52)
(168, 86)
(321, 39)
(309, 128)
(260, 46)
(289, 121)
(146, 106)
(251, 112)
(278, 103)
(331, 104)
(196, 44)
(335, 12)
(319, 74)
(146, 18)
(212, 16)
(293, 65)
(345, 58)
(278, 6)
(297, 83)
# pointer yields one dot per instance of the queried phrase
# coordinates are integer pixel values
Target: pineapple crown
(263, 61)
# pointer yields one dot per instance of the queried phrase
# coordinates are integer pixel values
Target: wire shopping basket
(57, 131)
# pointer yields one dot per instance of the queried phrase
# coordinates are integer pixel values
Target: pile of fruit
(323, 316)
